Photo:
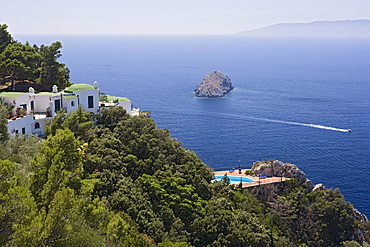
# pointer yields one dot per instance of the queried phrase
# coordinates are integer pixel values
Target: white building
(40, 107)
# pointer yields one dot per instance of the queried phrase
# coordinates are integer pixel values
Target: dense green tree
(80, 122)
(138, 147)
(222, 226)
(5, 37)
(66, 215)
(19, 62)
(106, 149)
(4, 136)
(248, 230)
(160, 195)
(58, 165)
(16, 203)
(110, 117)
(351, 244)
(50, 72)
(174, 244)
(318, 218)
(295, 212)
(55, 123)
(6, 173)
(334, 214)
(20, 149)
(121, 233)
(159, 152)
(64, 224)
(176, 194)
(131, 198)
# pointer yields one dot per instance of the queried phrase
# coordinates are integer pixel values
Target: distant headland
(214, 85)
(340, 28)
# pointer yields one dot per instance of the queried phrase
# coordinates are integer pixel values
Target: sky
(169, 16)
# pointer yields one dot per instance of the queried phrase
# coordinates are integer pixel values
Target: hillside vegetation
(124, 182)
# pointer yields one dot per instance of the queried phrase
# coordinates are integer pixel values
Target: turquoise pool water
(235, 179)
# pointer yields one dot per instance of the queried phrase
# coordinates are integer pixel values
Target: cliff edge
(214, 85)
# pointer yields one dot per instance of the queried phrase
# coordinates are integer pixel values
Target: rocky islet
(214, 85)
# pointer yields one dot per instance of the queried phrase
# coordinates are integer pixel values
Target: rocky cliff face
(214, 85)
(278, 168)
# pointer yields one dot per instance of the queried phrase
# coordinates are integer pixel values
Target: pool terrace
(247, 179)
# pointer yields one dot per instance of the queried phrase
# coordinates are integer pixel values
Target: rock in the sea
(214, 85)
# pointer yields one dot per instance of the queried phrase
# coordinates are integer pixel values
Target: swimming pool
(235, 179)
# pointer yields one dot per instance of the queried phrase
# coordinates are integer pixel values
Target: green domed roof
(78, 87)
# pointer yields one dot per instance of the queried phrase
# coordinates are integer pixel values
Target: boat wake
(310, 125)
(318, 126)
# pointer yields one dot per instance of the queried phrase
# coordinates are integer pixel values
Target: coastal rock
(214, 85)
(310, 186)
(360, 233)
(360, 216)
(319, 187)
(277, 168)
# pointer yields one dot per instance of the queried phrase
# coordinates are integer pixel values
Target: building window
(16, 132)
(23, 131)
(32, 105)
(37, 125)
(72, 103)
(90, 101)
(57, 105)
(24, 106)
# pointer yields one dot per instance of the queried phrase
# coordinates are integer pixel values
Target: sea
(295, 99)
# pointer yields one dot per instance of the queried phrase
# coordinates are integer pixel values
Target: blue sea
(294, 98)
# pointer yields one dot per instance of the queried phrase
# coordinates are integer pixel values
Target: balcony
(19, 122)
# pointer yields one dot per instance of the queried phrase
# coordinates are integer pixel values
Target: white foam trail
(309, 125)
(287, 122)
(327, 127)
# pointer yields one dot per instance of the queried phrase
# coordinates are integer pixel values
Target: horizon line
(193, 34)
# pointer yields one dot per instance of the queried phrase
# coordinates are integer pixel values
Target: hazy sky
(168, 16)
